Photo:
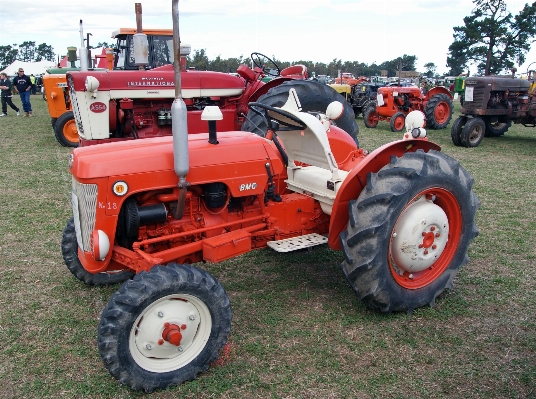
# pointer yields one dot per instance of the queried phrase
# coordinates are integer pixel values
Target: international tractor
(491, 104)
(127, 105)
(148, 212)
(395, 102)
(360, 96)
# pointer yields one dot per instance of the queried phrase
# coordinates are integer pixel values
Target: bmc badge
(248, 186)
(97, 107)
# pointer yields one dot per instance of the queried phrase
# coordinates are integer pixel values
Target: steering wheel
(294, 124)
(266, 64)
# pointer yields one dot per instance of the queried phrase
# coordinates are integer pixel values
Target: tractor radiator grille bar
(84, 201)
(478, 100)
(74, 103)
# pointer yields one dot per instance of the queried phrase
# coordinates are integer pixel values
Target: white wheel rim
(146, 344)
(420, 236)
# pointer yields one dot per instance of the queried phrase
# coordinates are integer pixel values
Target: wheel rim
(476, 134)
(399, 123)
(442, 112)
(425, 238)
(70, 132)
(170, 333)
(372, 119)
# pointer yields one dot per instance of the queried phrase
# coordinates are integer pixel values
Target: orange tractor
(395, 102)
(144, 211)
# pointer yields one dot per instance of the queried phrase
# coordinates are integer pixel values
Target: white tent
(35, 68)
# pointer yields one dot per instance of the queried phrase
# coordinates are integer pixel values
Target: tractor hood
(235, 152)
(161, 78)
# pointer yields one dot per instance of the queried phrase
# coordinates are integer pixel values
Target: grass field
(298, 329)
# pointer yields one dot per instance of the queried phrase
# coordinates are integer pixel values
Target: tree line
(491, 39)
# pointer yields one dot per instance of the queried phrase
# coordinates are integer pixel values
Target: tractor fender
(437, 90)
(356, 181)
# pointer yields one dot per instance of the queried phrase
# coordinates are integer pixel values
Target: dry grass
(298, 330)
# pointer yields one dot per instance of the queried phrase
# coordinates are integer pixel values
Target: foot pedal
(295, 243)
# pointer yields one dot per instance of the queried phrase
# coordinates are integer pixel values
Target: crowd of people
(21, 84)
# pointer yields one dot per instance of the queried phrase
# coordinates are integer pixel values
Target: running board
(295, 243)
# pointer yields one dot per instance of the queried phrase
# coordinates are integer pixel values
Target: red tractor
(144, 211)
(126, 105)
(395, 102)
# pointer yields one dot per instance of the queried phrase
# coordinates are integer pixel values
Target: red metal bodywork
(405, 99)
(246, 221)
(144, 93)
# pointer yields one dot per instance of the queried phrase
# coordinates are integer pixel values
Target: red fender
(437, 90)
(356, 181)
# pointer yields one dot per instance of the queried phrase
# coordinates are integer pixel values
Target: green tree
(44, 52)
(430, 69)
(26, 52)
(106, 45)
(199, 60)
(492, 38)
(8, 54)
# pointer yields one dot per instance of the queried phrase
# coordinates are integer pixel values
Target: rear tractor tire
(164, 327)
(313, 96)
(409, 231)
(438, 111)
(69, 250)
(496, 129)
(370, 117)
(66, 131)
(473, 132)
(398, 122)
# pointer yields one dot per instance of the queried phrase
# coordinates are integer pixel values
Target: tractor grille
(478, 99)
(74, 103)
(84, 201)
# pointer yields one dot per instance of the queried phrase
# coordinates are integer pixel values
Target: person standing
(23, 85)
(5, 87)
(32, 79)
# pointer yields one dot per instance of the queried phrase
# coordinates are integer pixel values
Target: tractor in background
(395, 102)
(144, 211)
(360, 96)
(491, 104)
(127, 105)
(158, 49)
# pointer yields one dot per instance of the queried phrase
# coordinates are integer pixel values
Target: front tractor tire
(438, 111)
(313, 96)
(473, 132)
(409, 231)
(69, 250)
(398, 122)
(66, 131)
(456, 130)
(164, 327)
(370, 117)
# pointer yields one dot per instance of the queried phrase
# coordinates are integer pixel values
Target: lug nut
(192, 317)
(148, 346)
(180, 349)
(160, 314)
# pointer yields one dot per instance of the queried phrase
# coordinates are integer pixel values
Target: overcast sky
(313, 30)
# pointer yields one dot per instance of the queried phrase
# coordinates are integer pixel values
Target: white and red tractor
(125, 105)
(145, 211)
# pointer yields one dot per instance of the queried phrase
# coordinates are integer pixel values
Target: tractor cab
(160, 48)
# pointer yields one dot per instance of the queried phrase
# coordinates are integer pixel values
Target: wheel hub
(167, 329)
(420, 236)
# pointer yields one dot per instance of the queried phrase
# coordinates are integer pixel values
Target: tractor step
(295, 243)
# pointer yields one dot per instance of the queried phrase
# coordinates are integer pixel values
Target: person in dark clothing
(5, 87)
(23, 85)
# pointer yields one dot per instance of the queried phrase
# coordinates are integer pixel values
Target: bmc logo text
(97, 107)
(249, 186)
